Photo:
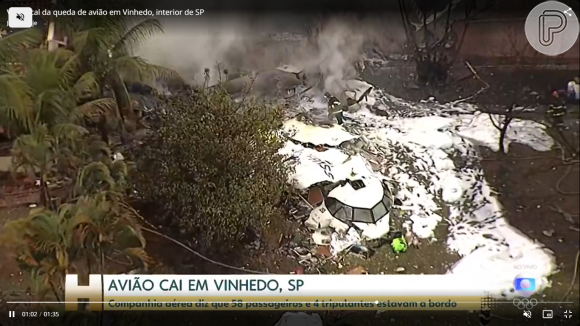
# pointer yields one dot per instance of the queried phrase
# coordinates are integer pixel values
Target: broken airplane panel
(285, 81)
(315, 135)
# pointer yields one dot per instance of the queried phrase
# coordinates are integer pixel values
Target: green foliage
(105, 46)
(49, 99)
(48, 90)
(80, 234)
(213, 167)
(12, 46)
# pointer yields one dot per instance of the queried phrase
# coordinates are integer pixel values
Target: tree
(40, 244)
(47, 100)
(92, 225)
(77, 236)
(107, 228)
(36, 153)
(12, 45)
(105, 46)
(213, 167)
(49, 89)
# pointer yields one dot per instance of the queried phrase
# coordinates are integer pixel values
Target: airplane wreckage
(348, 200)
(287, 82)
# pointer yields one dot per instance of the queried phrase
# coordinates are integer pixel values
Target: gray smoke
(340, 45)
(242, 43)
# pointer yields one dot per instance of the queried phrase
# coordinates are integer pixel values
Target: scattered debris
(548, 233)
(341, 242)
(323, 251)
(361, 251)
(322, 237)
(118, 157)
(302, 253)
(252, 238)
(570, 218)
(400, 269)
(412, 239)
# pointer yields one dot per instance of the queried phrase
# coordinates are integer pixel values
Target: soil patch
(14, 284)
(526, 182)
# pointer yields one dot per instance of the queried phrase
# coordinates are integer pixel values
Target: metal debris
(322, 237)
(361, 251)
(302, 253)
(412, 240)
(548, 233)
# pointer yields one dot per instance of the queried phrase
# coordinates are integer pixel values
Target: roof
(366, 197)
(305, 133)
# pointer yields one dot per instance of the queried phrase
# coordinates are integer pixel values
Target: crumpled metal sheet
(341, 242)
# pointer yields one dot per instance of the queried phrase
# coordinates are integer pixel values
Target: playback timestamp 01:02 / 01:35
(38, 314)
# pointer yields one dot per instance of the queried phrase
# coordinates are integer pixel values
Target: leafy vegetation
(48, 89)
(49, 100)
(106, 45)
(213, 167)
(88, 223)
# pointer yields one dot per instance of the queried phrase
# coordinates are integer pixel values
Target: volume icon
(11, 314)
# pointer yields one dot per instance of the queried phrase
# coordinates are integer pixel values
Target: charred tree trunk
(502, 127)
(503, 132)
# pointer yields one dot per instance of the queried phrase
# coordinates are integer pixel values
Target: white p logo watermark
(552, 28)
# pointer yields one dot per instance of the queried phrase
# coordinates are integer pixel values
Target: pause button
(11, 314)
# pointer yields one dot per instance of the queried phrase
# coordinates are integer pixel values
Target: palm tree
(12, 44)
(109, 228)
(41, 245)
(48, 101)
(49, 89)
(105, 46)
(35, 153)
(76, 236)
(44, 150)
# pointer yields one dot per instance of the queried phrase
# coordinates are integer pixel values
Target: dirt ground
(526, 183)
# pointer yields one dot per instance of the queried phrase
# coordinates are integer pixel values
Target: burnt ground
(525, 180)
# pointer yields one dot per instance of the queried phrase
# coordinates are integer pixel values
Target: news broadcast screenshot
(290, 163)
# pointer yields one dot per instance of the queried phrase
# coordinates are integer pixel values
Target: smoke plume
(332, 47)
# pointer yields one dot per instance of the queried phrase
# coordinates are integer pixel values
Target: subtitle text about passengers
(238, 304)
(121, 12)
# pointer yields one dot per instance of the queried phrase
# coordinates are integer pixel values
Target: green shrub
(213, 168)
